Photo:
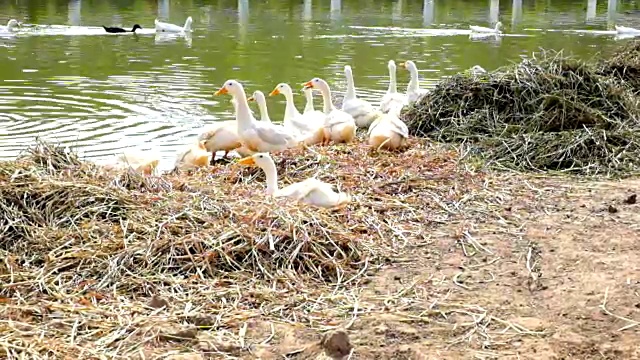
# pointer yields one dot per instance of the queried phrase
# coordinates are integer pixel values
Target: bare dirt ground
(495, 266)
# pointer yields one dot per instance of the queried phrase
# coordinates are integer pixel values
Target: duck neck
(264, 113)
(393, 88)
(351, 89)
(309, 106)
(243, 113)
(272, 177)
(413, 83)
(290, 108)
(327, 105)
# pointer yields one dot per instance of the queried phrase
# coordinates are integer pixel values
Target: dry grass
(547, 113)
(86, 251)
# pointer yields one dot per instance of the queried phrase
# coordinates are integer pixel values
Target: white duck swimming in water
(627, 30)
(167, 27)
(482, 29)
(11, 25)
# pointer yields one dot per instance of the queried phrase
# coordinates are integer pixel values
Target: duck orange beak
(221, 91)
(307, 85)
(251, 98)
(247, 161)
(403, 64)
(274, 92)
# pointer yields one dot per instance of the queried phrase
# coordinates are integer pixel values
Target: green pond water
(101, 93)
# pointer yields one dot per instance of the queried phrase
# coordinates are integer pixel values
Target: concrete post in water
(611, 12)
(74, 12)
(516, 12)
(396, 10)
(494, 12)
(163, 10)
(428, 12)
(336, 8)
(592, 5)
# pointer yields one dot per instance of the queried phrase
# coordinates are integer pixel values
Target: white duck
(11, 25)
(194, 156)
(477, 70)
(361, 110)
(392, 97)
(482, 29)
(258, 97)
(310, 191)
(414, 92)
(307, 127)
(256, 136)
(167, 27)
(389, 132)
(627, 30)
(339, 126)
(308, 107)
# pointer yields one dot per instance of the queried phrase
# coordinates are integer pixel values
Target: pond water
(100, 93)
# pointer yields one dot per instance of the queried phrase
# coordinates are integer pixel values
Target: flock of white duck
(14, 25)
(254, 139)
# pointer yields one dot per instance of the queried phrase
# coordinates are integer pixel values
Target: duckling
(144, 162)
(114, 30)
(195, 156)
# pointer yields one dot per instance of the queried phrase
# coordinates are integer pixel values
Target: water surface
(70, 82)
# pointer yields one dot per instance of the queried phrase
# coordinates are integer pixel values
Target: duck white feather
(388, 131)
(392, 97)
(256, 136)
(339, 126)
(167, 27)
(258, 97)
(11, 25)
(627, 30)
(414, 92)
(307, 127)
(482, 29)
(361, 110)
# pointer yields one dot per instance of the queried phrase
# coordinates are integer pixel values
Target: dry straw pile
(548, 112)
(88, 256)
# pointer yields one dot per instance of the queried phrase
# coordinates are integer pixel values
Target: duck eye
(229, 84)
